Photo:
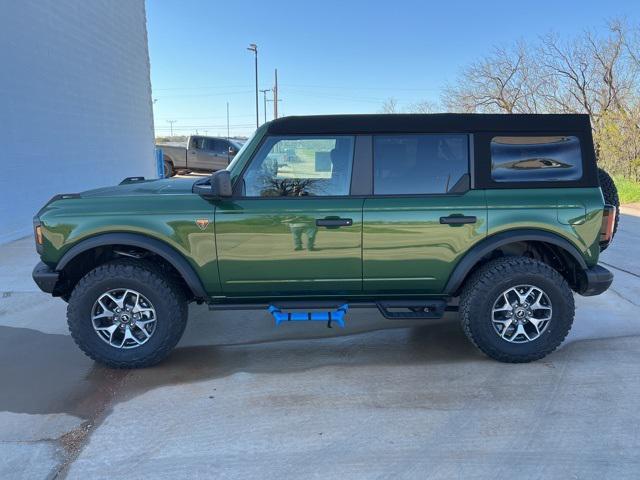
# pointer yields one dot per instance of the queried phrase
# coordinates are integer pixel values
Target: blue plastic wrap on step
(333, 316)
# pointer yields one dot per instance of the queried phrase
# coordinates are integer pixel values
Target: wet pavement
(241, 399)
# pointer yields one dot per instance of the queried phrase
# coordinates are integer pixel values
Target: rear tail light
(608, 224)
(37, 232)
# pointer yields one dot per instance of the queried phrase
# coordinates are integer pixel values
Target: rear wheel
(168, 169)
(516, 309)
(126, 314)
(610, 194)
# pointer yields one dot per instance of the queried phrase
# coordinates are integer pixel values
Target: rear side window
(418, 164)
(531, 159)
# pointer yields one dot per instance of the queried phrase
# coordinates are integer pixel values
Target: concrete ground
(240, 399)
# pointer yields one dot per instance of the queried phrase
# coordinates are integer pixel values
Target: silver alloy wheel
(123, 318)
(521, 314)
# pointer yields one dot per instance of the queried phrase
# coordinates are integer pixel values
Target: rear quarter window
(535, 158)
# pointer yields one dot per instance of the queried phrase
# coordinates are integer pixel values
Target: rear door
(422, 217)
(292, 227)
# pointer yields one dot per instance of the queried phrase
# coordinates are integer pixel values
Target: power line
(210, 87)
(296, 85)
(224, 125)
(204, 117)
(196, 95)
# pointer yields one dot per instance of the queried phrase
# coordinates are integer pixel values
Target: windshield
(240, 152)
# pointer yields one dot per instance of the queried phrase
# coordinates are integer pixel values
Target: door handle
(334, 222)
(458, 219)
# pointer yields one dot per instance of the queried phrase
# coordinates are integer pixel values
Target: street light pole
(254, 48)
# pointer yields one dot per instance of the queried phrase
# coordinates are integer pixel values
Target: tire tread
(485, 277)
(139, 270)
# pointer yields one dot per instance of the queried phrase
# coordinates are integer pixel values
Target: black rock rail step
(412, 309)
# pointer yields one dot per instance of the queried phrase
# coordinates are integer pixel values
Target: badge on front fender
(202, 223)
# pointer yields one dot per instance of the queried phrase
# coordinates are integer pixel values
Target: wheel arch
(499, 242)
(169, 159)
(163, 250)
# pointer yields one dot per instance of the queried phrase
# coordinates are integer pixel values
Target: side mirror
(218, 185)
(221, 183)
(232, 151)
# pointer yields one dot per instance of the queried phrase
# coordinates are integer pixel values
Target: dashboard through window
(418, 164)
(300, 167)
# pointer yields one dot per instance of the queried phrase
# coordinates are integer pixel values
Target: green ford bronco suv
(498, 217)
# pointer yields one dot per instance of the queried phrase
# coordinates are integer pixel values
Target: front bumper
(45, 277)
(595, 281)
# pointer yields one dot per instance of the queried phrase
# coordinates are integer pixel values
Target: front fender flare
(486, 246)
(158, 247)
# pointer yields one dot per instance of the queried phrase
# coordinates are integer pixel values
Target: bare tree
(423, 106)
(497, 83)
(597, 74)
(390, 105)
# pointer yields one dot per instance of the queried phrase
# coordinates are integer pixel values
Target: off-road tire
(610, 193)
(483, 288)
(165, 294)
(169, 171)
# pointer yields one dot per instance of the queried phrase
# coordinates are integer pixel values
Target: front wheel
(516, 309)
(126, 314)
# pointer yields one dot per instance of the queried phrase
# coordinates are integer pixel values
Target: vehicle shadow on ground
(47, 373)
(439, 343)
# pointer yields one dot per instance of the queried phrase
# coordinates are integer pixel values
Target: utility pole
(254, 48)
(273, 100)
(264, 94)
(275, 97)
(171, 122)
(227, 120)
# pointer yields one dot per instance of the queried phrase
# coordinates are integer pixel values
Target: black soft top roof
(436, 122)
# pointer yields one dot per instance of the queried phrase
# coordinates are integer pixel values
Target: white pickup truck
(198, 154)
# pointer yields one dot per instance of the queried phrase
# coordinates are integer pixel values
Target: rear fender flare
(486, 246)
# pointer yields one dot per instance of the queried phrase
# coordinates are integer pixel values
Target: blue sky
(333, 56)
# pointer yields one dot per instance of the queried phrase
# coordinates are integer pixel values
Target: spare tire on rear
(610, 193)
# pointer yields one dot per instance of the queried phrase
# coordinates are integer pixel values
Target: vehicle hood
(163, 186)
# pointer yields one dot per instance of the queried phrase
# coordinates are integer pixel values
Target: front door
(196, 158)
(293, 229)
(422, 217)
(217, 151)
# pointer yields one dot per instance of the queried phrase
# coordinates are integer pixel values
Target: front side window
(418, 164)
(197, 143)
(213, 145)
(531, 159)
(301, 166)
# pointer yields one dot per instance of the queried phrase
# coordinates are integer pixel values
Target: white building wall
(75, 101)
